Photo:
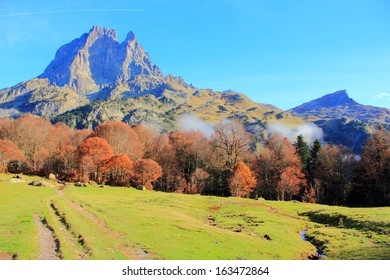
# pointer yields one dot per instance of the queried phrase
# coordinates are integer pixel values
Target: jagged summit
(97, 59)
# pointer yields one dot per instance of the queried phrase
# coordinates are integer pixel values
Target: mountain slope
(339, 105)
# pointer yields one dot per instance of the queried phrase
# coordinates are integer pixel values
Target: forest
(229, 163)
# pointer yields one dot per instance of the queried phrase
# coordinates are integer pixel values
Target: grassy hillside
(124, 223)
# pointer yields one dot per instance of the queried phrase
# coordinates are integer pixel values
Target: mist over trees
(227, 163)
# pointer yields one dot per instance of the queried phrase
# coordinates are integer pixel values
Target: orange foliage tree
(118, 170)
(122, 139)
(146, 171)
(9, 152)
(242, 182)
(191, 149)
(279, 170)
(91, 153)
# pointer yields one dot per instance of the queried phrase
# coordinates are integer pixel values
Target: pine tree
(302, 150)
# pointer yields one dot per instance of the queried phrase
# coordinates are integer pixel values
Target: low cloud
(190, 122)
(309, 131)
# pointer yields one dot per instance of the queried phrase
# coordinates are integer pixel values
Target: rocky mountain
(343, 120)
(96, 78)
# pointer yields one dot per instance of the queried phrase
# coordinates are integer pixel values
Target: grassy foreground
(124, 223)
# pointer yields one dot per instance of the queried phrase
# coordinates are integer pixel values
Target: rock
(17, 179)
(141, 188)
(266, 236)
(36, 183)
(52, 177)
(80, 184)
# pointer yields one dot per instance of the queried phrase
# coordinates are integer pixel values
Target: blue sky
(279, 52)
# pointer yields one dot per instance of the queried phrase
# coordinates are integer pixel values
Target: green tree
(302, 150)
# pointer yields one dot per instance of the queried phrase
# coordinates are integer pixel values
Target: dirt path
(5, 256)
(129, 249)
(48, 243)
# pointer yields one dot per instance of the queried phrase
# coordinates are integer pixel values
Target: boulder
(80, 184)
(52, 177)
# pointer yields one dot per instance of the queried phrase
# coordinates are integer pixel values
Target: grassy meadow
(123, 223)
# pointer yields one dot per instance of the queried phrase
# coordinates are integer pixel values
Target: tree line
(229, 163)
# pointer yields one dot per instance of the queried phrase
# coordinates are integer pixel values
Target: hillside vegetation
(97, 222)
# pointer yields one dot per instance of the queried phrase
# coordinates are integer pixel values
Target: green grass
(131, 224)
(18, 203)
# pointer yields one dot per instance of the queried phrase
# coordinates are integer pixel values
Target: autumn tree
(33, 136)
(371, 185)
(91, 153)
(279, 170)
(191, 148)
(242, 181)
(200, 179)
(9, 152)
(146, 171)
(117, 170)
(163, 153)
(290, 182)
(122, 139)
(148, 138)
(231, 137)
(267, 173)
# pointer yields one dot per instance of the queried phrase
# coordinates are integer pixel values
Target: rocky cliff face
(97, 59)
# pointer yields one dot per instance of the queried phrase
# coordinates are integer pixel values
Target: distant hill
(343, 120)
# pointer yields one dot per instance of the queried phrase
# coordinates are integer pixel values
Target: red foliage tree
(118, 170)
(9, 152)
(91, 153)
(122, 139)
(146, 171)
(242, 182)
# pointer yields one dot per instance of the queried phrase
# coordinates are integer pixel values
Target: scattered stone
(312, 257)
(40, 184)
(266, 237)
(80, 184)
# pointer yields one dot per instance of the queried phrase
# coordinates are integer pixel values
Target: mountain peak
(97, 60)
(130, 36)
(332, 100)
(98, 32)
(337, 98)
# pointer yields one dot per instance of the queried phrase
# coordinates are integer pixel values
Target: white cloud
(383, 95)
(309, 131)
(190, 122)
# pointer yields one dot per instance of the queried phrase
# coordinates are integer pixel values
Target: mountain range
(95, 78)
